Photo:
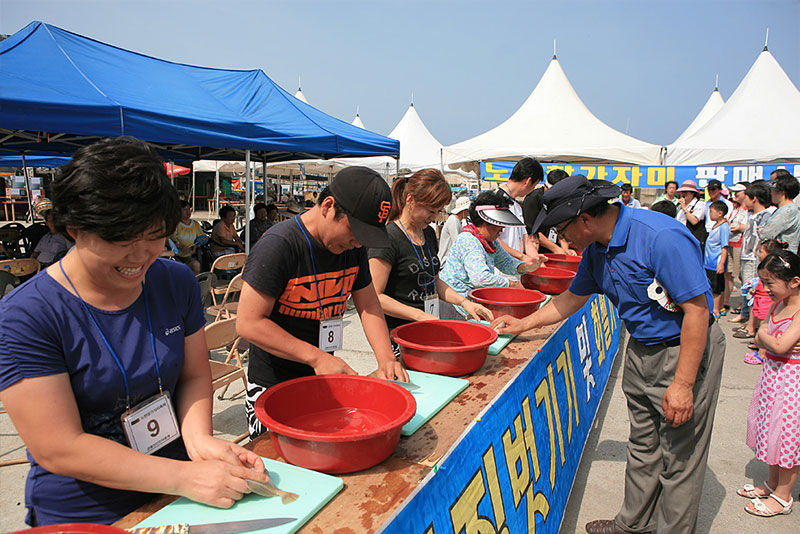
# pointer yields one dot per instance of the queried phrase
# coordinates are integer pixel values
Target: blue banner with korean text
(512, 471)
(648, 176)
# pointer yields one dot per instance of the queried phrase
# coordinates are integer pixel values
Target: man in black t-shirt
(297, 280)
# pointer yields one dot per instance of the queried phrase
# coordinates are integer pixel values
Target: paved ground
(598, 486)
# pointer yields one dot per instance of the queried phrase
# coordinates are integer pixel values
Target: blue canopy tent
(60, 91)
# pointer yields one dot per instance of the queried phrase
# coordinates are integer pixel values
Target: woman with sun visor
(475, 253)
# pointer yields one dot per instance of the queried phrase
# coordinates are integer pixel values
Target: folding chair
(228, 306)
(222, 334)
(206, 280)
(227, 265)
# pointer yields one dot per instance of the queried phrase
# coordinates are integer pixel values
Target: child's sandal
(762, 510)
(748, 491)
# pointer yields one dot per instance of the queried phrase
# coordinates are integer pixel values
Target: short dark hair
(338, 211)
(626, 187)
(758, 191)
(666, 207)
(670, 182)
(598, 210)
(720, 206)
(786, 184)
(527, 168)
(782, 264)
(271, 207)
(224, 210)
(184, 203)
(780, 172)
(487, 198)
(117, 189)
(259, 206)
(556, 175)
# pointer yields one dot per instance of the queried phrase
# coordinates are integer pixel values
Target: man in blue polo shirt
(651, 268)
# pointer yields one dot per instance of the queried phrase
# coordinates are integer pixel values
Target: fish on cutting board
(268, 489)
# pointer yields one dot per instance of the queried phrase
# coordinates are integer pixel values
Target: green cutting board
(433, 394)
(315, 490)
(501, 341)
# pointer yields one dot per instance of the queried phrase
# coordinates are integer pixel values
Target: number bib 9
(330, 334)
(151, 424)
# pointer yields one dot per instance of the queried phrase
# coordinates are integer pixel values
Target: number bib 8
(330, 334)
(151, 424)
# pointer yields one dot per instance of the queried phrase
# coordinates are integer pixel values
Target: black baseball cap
(714, 184)
(366, 199)
(570, 197)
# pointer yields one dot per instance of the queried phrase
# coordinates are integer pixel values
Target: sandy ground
(597, 493)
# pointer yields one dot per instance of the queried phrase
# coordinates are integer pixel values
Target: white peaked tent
(713, 104)
(419, 149)
(553, 125)
(758, 123)
(357, 121)
(300, 96)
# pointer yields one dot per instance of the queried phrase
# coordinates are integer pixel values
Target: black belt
(677, 341)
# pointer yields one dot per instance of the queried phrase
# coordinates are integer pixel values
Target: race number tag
(151, 424)
(431, 304)
(330, 334)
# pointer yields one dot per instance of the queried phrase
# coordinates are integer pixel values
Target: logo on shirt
(657, 293)
(301, 299)
(168, 331)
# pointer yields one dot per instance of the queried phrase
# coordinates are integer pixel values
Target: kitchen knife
(230, 527)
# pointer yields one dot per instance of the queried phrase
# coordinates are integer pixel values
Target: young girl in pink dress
(773, 421)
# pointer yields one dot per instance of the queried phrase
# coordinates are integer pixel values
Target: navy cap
(570, 197)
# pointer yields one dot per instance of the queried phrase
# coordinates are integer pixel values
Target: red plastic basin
(563, 261)
(335, 423)
(452, 348)
(514, 301)
(548, 280)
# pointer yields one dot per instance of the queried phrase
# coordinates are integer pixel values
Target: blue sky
(642, 66)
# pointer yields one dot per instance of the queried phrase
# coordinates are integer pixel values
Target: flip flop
(743, 334)
(753, 359)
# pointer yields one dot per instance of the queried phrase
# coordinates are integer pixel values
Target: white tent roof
(418, 147)
(300, 96)
(357, 121)
(758, 124)
(553, 125)
(713, 104)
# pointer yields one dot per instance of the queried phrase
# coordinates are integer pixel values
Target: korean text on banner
(513, 470)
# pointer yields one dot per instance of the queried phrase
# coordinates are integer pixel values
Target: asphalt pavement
(598, 488)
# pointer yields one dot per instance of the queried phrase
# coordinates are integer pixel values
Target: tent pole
(27, 188)
(172, 172)
(216, 188)
(193, 184)
(247, 202)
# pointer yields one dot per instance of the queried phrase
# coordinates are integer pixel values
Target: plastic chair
(221, 334)
(9, 238)
(7, 282)
(228, 306)
(228, 266)
(21, 267)
(31, 236)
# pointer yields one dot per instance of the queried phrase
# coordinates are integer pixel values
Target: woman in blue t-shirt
(103, 359)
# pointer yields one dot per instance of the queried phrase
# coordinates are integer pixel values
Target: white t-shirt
(513, 235)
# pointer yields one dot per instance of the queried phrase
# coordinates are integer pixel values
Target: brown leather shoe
(603, 526)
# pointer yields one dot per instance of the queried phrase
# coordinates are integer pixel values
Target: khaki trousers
(666, 465)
